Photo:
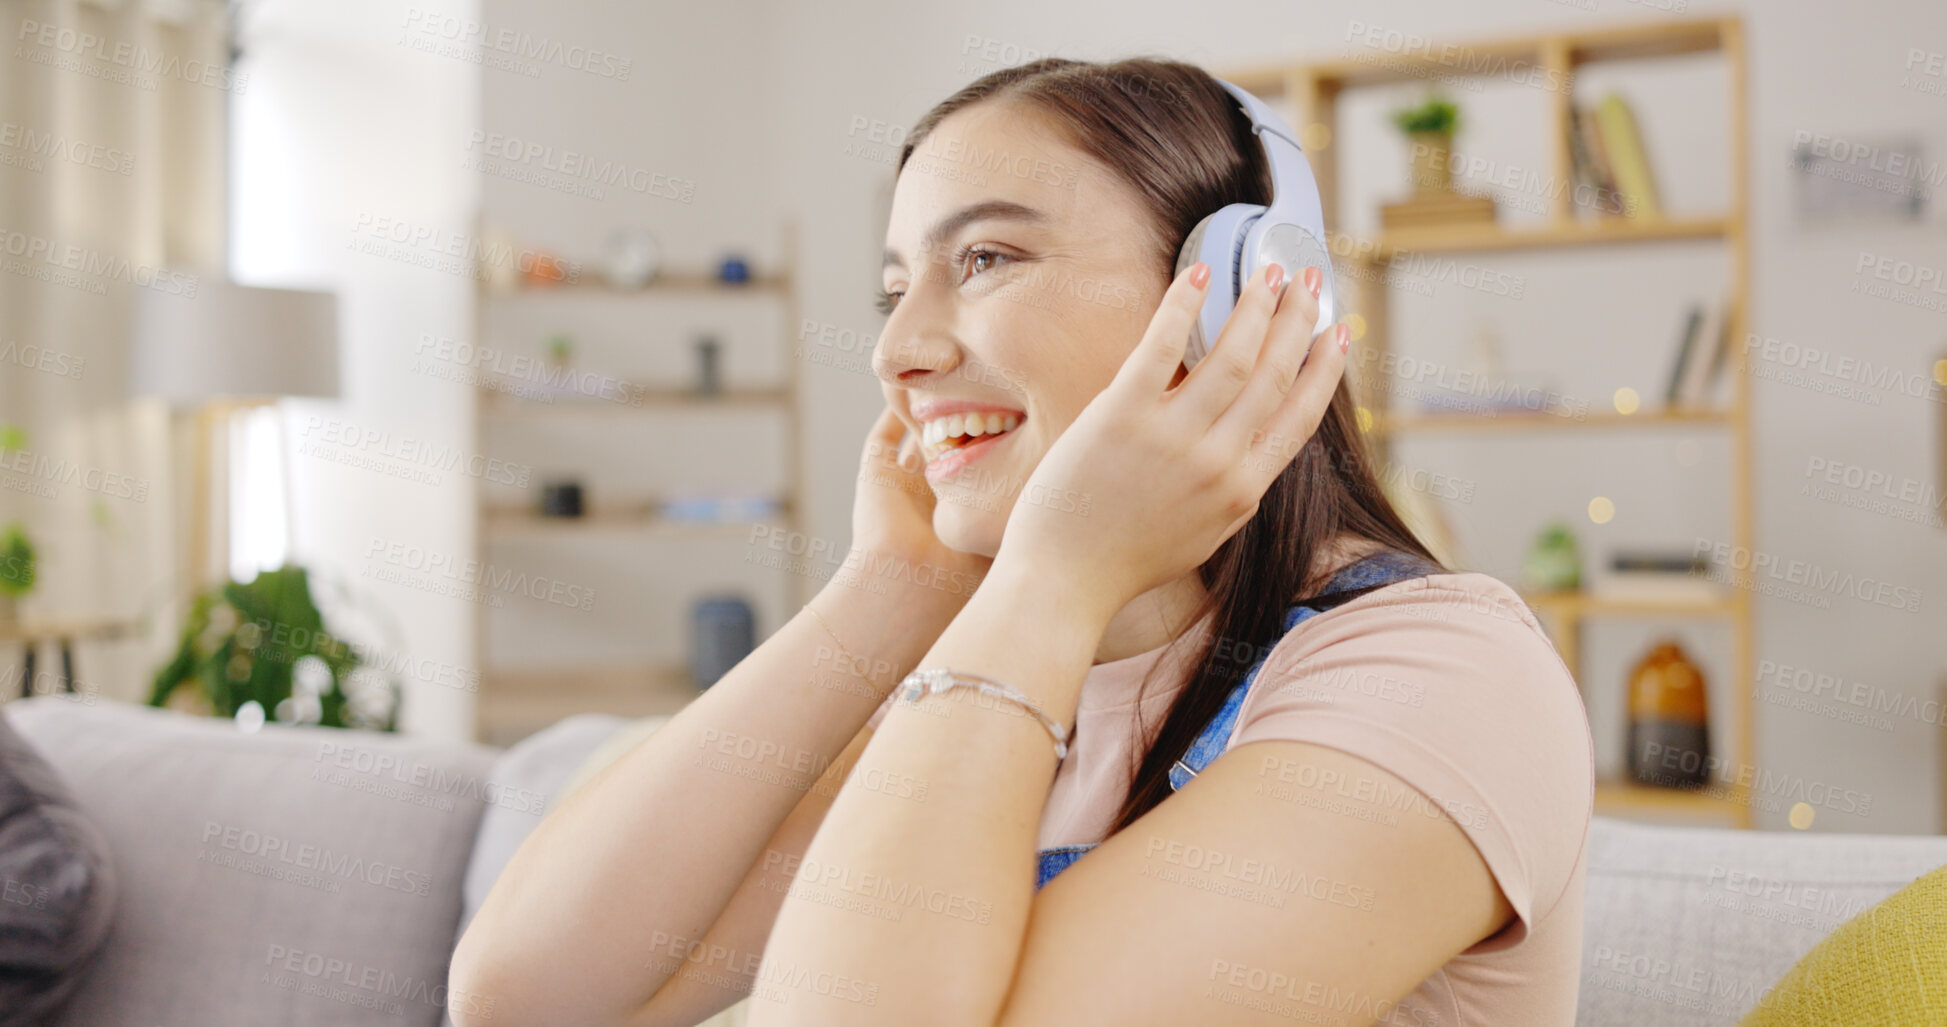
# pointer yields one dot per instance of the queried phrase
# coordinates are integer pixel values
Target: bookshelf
(514, 702)
(1312, 91)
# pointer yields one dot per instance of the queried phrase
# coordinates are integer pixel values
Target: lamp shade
(231, 341)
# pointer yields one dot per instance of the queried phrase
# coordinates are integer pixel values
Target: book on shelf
(710, 508)
(1698, 372)
(1693, 323)
(1622, 146)
(1591, 167)
(1608, 161)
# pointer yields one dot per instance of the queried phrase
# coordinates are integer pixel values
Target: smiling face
(1020, 274)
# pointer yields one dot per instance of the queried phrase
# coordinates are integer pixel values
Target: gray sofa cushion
(1691, 926)
(57, 886)
(305, 876)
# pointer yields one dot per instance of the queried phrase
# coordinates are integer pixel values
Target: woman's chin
(968, 529)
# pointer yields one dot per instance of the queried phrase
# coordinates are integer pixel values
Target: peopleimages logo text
(524, 45)
(441, 566)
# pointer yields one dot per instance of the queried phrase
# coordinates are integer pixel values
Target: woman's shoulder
(1461, 597)
(1445, 628)
(1449, 682)
(1468, 636)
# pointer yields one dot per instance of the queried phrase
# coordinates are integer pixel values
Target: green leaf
(1435, 114)
(276, 625)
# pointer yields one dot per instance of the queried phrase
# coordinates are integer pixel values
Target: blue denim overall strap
(1356, 579)
(1373, 572)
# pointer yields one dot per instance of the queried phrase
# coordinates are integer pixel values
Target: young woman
(1245, 752)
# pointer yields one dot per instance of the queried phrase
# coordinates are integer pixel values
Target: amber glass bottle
(1669, 723)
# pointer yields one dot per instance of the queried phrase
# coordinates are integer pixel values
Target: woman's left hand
(1149, 480)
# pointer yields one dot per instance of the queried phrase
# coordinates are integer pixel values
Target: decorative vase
(709, 366)
(545, 270)
(722, 633)
(1669, 723)
(632, 258)
(1431, 174)
(561, 499)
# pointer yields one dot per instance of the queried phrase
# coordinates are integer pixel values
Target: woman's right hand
(894, 549)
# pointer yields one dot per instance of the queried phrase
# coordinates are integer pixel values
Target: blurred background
(451, 368)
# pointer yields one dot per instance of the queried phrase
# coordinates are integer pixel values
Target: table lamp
(227, 347)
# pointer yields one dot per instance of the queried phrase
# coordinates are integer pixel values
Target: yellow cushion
(1886, 967)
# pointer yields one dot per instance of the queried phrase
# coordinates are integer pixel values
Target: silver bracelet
(934, 680)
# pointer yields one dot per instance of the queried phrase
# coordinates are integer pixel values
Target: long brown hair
(1172, 133)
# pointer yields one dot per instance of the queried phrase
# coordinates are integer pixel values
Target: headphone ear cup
(1192, 246)
(1217, 240)
(1190, 253)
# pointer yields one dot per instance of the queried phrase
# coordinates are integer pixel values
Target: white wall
(341, 125)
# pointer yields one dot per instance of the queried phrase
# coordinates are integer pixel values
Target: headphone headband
(1240, 239)
(1294, 190)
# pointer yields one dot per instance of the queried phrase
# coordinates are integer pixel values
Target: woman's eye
(972, 261)
(973, 256)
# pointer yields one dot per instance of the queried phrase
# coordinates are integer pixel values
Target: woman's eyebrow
(985, 210)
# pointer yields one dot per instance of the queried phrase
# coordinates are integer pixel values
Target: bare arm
(649, 856)
(723, 969)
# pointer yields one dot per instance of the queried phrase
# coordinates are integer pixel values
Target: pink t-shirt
(1447, 682)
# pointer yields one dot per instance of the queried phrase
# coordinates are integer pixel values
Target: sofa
(311, 876)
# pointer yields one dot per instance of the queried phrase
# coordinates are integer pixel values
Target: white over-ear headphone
(1239, 241)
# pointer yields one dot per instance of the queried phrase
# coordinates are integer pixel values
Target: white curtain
(111, 182)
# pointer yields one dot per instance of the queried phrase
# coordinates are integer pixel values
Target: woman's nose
(908, 358)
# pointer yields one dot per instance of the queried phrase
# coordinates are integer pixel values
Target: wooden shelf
(1520, 59)
(694, 283)
(1494, 236)
(1574, 606)
(1551, 63)
(514, 704)
(494, 402)
(1619, 797)
(1655, 39)
(69, 628)
(1528, 421)
(507, 522)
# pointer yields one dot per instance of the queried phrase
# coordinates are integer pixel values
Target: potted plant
(1554, 562)
(259, 650)
(1430, 127)
(16, 570)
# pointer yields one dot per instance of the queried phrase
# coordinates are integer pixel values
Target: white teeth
(935, 433)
